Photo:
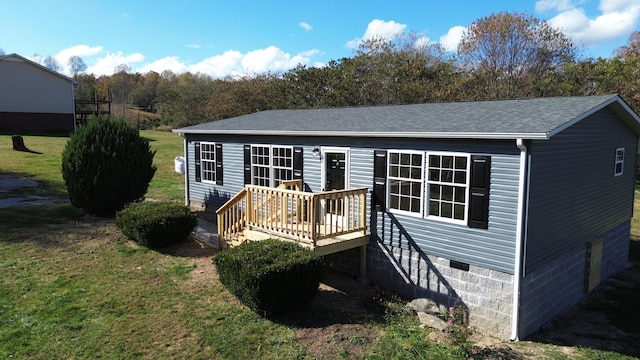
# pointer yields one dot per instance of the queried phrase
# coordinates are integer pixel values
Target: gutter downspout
(520, 237)
(186, 171)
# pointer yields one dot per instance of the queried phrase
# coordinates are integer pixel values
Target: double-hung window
(270, 165)
(448, 186)
(619, 162)
(405, 181)
(208, 162)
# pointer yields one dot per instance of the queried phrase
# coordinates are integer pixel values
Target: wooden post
(363, 265)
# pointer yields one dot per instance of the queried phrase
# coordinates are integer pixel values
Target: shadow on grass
(340, 300)
(34, 217)
(43, 187)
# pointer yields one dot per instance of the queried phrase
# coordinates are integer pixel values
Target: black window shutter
(479, 199)
(219, 170)
(247, 164)
(380, 178)
(298, 163)
(196, 152)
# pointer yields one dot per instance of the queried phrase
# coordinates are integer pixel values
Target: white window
(444, 186)
(619, 163)
(448, 186)
(270, 165)
(405, 175)
(208, 161)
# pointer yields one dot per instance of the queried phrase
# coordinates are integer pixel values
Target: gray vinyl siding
(574, 196)
(207, 194)
(213, 196)
(491, 248)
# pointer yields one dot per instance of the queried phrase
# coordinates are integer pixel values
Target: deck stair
(325, 222)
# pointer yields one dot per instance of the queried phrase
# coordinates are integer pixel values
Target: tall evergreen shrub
(106, 164)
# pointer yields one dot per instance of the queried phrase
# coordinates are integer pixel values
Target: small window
(619, 164)
(208, 161)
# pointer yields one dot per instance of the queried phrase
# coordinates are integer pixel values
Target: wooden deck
(326, 222)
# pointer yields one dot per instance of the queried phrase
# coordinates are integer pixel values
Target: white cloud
(79, 50)
(107, 64)
(194, 46)
(451, 39)
(617, 18)
(422, 41)
(234, 63)
(271, 59)
(306, 26)
(378, 29)
(219, 66)
(168, 63)
(230, 63)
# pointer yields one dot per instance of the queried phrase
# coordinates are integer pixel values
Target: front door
(335, 177)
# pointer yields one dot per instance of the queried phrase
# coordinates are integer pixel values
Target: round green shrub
(270, 276)
(106, 164)
(155, 224)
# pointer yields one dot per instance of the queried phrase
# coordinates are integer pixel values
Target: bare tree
(52, 64)
(632, 49)
(510, 55)
(2, 53)
(121, 86)
(76, 65)
(37, 58)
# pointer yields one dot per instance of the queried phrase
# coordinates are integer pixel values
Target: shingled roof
(538, 118)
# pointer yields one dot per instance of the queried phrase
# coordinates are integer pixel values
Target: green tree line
(501, 56)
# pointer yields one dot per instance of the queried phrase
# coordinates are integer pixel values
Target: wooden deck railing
(293, 214)
(232, 215)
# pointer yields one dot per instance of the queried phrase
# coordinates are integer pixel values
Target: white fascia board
(426, 135)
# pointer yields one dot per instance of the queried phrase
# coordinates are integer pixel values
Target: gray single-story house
(515, 209)
(34, 98)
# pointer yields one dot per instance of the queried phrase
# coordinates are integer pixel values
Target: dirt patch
(23, 187)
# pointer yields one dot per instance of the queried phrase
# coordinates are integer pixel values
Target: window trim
(390, 179)
(617, 162)
(466, 186)
(213, 162)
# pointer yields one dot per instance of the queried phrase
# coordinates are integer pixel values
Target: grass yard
(72, 287)
(45, 167)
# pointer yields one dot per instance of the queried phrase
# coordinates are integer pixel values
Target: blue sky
(241, 37)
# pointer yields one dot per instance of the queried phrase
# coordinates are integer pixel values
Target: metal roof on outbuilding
(538, 118)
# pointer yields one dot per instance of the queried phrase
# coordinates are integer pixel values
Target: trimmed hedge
(270, 276)
(155, 224)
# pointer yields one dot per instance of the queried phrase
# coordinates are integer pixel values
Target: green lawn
(45, 166)
(72, 287)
